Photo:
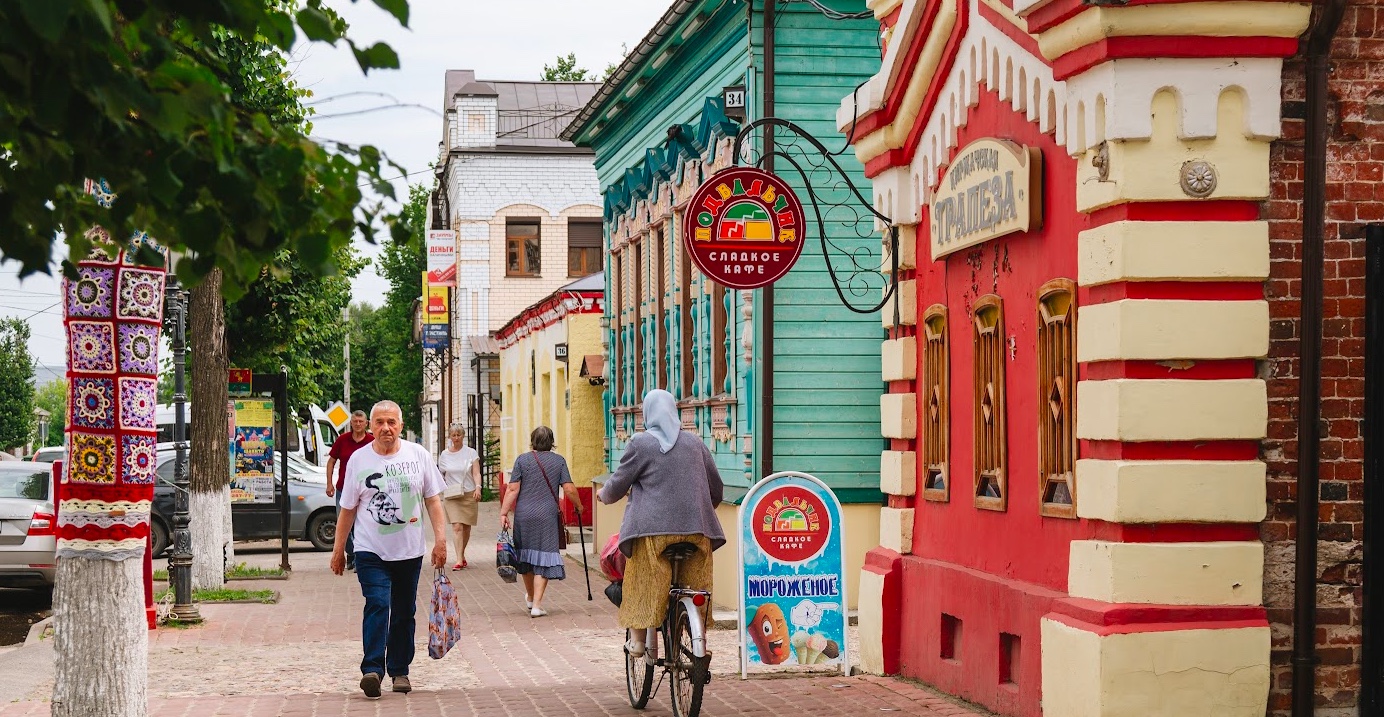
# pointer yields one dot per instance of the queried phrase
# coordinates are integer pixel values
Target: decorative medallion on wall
(1198, 178)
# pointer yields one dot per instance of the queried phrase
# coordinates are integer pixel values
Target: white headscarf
(661, 418)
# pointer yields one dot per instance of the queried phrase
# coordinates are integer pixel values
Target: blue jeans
(390, 588)
(350, 538)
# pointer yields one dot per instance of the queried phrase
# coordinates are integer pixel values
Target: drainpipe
(766, 381)
(1309, 349)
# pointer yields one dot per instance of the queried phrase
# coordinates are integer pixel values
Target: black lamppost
(180, 560)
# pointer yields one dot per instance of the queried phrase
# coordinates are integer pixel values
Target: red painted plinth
(974, 635)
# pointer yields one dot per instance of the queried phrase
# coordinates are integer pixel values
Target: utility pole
(346, 354)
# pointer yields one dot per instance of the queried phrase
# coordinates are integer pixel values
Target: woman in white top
(461, 468)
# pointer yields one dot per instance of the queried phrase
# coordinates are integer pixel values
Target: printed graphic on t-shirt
(394, 504)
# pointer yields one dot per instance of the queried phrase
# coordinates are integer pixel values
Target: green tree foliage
(292, 318)
(16, 384)
(385, 362)
(138, 93)
(52, 397)
(565, 69)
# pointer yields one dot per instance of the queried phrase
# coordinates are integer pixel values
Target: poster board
(792, 601)
(252, 480)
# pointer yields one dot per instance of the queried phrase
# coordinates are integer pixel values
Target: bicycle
(688, 666)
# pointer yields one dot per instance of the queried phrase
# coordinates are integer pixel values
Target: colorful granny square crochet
(141, 295)
(138, 398)
(139, 348)
(93, 458)
(93, 293)
(139, 457)
(93, 403)
(91, 346)
(114, 312)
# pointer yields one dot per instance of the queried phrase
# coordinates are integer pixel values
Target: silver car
(28, 525)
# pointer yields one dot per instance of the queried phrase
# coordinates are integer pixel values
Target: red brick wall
(1355, 196)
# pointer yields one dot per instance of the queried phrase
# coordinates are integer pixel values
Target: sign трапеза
(991, 189)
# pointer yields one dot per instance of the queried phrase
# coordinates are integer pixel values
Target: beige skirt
(648, 576)
(462, 509)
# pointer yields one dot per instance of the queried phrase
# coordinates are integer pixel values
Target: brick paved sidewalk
(301, 657)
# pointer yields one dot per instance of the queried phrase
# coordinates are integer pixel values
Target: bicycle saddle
(680, 551)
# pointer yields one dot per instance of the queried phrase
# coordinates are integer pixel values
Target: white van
(310, 442)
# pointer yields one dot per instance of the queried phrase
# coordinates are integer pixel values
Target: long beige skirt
(648, 577)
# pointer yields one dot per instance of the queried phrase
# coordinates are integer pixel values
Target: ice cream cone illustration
(799, 643)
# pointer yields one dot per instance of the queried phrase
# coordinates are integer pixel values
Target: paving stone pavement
(300, 657)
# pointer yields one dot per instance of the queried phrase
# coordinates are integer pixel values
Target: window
(990, 488)
(523, 251)
(718, 340)
(617, 313)
(685, 304)
(638, 300)
(661, 343)
(937, 405)
(475, 123)
(583, 247)
(1056, 381)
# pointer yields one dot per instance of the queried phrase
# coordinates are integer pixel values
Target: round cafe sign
(791, 524)
(744, 228)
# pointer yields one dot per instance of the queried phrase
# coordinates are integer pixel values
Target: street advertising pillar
(792, 602)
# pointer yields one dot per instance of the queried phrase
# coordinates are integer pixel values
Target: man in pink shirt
(345, 445)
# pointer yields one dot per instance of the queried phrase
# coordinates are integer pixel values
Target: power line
(381, 108)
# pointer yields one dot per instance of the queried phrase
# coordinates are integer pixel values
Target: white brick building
(514, 193)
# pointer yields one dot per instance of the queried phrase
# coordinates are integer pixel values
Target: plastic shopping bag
(506, 557)
(612, 560)
(444, 624)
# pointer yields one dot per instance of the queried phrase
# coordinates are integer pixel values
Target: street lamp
(180, 560)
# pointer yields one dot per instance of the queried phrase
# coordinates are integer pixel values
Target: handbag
(444, 624)
(506, 557)
(562, 530)
(612, 560)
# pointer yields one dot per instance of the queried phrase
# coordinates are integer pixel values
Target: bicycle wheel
(686, 670)
(639, 677)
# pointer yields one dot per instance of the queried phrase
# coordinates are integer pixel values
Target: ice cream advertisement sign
(792, 584)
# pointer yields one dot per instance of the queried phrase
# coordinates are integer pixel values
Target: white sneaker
(537, 612)
(635, 647)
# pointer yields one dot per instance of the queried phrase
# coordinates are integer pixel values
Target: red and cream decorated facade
(1075, 404)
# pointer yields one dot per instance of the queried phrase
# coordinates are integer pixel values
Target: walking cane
(581, 536)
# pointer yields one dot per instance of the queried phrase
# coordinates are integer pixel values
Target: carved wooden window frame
(720, 328)
(616, 369)
(1057, 367)
(638, 306)
(660, 339)
(687, 302)
(991, 448)
(936, 405)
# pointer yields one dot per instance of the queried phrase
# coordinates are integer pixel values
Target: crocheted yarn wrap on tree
(113, 312)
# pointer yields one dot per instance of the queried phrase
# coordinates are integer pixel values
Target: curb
(36, 631)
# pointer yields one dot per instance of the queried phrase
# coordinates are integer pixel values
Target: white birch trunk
(207, 524)
(100, 639)
(226, 530)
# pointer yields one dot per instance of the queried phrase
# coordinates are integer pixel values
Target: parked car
(28, 525)
(51, 454)
(311, 516)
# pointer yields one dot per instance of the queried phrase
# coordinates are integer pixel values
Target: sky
(509, 40)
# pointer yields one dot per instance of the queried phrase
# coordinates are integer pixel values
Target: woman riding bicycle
(674, 488)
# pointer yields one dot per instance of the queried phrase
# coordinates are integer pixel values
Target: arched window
(991, 489)
(936, 405)
(1056, 388)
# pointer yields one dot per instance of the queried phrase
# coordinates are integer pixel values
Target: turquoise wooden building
(658, 127)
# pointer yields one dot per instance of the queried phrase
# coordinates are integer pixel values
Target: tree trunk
(209, 463)
(101, 639)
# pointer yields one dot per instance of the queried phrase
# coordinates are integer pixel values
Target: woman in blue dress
(532, 498)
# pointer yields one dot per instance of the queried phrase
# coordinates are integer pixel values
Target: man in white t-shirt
(388, 483)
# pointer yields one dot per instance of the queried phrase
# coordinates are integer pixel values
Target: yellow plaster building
(541, 358)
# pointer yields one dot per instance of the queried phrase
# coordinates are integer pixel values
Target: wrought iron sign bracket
(821, 177)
